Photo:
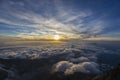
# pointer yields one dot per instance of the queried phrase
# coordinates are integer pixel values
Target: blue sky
(67, 18)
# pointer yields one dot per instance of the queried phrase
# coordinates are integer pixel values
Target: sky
(82, 19)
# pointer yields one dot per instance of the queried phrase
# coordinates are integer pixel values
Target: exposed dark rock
(113, 74)
(3, 74)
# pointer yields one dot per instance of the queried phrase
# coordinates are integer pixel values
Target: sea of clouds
(74, 57)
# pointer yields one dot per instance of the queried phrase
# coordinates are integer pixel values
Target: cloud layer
(67, 57)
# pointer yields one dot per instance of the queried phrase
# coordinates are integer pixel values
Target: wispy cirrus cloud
(50, 17)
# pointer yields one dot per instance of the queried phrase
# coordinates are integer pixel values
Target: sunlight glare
(56, 37)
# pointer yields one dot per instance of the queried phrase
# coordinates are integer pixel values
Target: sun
(56, 37)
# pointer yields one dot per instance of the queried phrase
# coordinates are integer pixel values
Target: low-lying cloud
(70, 68)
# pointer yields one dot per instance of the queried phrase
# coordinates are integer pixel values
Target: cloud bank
(70, 68)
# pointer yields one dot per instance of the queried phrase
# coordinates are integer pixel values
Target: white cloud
(80, 59)
(70, 68)
(62, 66)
